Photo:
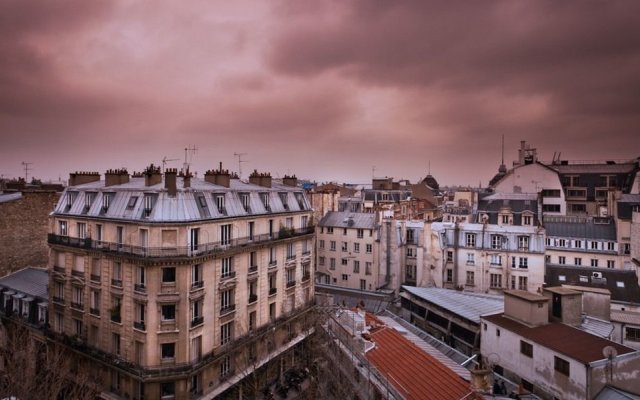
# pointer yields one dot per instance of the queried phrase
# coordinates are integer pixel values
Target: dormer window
(284, 200)
(148, 204)
(527, 220)
(71, 197)
(265, 201)
(505, 219)
(202, 201)
(220, 205)
(300, 200)
(523, 243)
(244, 198)
(88, 200)
(106, 200)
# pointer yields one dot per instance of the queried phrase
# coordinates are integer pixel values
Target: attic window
(88, 199)
(620, 284)
(202, 201)
(132, 202)
(562, 278)
(71, 197)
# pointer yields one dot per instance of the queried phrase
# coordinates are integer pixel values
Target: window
(470, 278)
(550, 193)
(562, 278)
(272, 312)
(226, 333)
(496, 280)
(594, 245)
(611, 246)
(226, 269)
(116, 274)
(140, 316)
(577, 244)
(168, 351)
(523, 243)
(411, 236)
(594, 262)
(496, 241)
(321, 244)
(148, 204)
(106, 200)
(562, 260)
(332, 263)
(226, 300)
(168, 312)
(115, 343)
(63, 229)
(356, 247)
(470, 239)
(321, 261)
(526, 348)
(265, 201)
(344, 261)
(522, 283)
(291, 254)
(620, 284)
(333, 245)
(77, 327)
(496, 259)
(225, 234)
(449, 275)
(82, 230)
(505, 219)
(363, 284)
(77, 297)
(523, 262)
(330, 230)
(626, 248)
(272, 284)
(167, 390)
(219, 199)
(551, 208)
(196, 313)
(132, 202)
(252, 321)
(367, 268)
(225, 366)
(577, 261)
(526, 220)
(344, 246)
(560, 365)
(632, 334)
(356, 266)
(169, 275)
(411, 252)
(360, 233)
(578, 208)
(196, 276)
(94, 302)
(345, 277)
(289, 222)
(244, 199)
(497, 332)
(284, 200)
(449, 256)
(369, 248)
(611, 264)
(470, 258)
(272, 256)
(116, 306)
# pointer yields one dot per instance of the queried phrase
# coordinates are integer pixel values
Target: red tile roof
(414, 373)
(561, 338)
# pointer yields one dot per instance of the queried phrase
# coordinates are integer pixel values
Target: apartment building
(490, 257)
(538, 344)
(583, 241)
(179, 287)
(347, 250)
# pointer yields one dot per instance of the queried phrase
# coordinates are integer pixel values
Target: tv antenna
(610, 353)
(27, 168)
(189, 151)
(165, 160)
(240, 161)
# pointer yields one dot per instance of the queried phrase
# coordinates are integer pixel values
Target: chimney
(170, 175)
(290, 180)
(260, 179)
(220, 177)
(80, 178)
(186, 178)
(152, 175)
(116, 177)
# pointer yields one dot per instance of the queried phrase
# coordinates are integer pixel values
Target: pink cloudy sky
(323, 89)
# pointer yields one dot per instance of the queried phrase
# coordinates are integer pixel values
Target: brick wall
(23, 230)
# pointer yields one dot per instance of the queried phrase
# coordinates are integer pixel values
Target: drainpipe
(456, 244)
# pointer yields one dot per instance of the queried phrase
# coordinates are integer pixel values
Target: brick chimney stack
(80, 178)
(152, 175)
(220, 177)
(186, 178)
(170, 176)
(260, 178)
(290, 180)
(116, 177)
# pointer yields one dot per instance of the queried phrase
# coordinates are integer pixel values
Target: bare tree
(35, 367)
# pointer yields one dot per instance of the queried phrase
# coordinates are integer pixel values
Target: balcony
(273, 263)
(59, 269)
(197, 321)
(139, 325)
(253, 269)
(203, 249)
(197, 285)
(273, 291)
(227, 309)
(57, 299)
(228, 275)
(115, 317)
(139, 287)
(76, 273)
(291, 284)
(253, 298)
(306, 276)
(116, 282)
(94, 311)
(95, 278)
(77, 306)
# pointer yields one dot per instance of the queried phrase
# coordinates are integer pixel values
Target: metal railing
(175, 251)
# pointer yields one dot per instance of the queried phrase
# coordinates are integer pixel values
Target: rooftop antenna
(240, 161)
(503, 168)
(26, 170)
(188, 151)
(165, 160)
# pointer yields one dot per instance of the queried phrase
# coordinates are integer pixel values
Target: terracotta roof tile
(414, 373)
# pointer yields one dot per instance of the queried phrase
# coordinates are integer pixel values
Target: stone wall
(23, 230)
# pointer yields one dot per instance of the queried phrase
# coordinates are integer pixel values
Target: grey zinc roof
(596, 326)
(30, 281)
(342, 220)
(581, 228)
(184, 206)
(7, 197)
(594, 168)
(466, 304)
(612, 393)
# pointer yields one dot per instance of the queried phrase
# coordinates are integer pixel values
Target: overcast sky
(323, 89)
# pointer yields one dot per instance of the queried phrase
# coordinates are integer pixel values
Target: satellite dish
(609, 352)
